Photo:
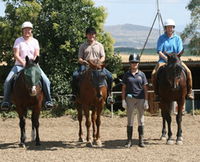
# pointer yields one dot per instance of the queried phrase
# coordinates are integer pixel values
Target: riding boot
(189, 87)
(141, 134)
(129, 136)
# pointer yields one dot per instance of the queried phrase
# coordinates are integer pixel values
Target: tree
(60, 28)
(192, 30)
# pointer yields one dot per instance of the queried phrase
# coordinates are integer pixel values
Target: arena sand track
(59, 142)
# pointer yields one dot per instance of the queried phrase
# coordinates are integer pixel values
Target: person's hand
(124, 104)
(146, 105)
(85, 62)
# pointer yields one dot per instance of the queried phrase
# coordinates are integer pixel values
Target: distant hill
(133, 36)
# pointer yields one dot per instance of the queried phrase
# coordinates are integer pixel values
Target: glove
(146, 105)
(124, 104)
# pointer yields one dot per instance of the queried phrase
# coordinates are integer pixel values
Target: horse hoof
(163, 138)
(38, 144)
(22, 145)
(89, 144)
(98, 143)
(81, 140)
(170, 142)
(178, 142)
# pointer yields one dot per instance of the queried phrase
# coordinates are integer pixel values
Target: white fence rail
(194, 91)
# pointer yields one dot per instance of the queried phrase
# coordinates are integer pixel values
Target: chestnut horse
(93, 93)
(172, 87)
(27, 93)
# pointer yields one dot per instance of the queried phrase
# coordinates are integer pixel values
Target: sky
(143, 12)
(140, 12)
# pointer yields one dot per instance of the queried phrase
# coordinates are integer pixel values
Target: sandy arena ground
(59, 142)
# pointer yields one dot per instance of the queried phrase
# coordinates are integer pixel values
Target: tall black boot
(141, 134)
(129, 136)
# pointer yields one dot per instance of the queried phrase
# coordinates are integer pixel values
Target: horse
(93, 93)
(27, 93)
(172, 87)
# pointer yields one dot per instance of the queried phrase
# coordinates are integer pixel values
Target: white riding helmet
(27, 24)
(169, 22)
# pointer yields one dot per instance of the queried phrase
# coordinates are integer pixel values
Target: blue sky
(140, 12)
(143, 12)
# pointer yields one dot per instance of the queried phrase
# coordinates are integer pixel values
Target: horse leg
(179, 140)
(87, 124)
(163, 136)
(94, 125)
(22, 124)
(35, 123)
(169, 120)
(80, 117)
(98, 123)
(33, 129)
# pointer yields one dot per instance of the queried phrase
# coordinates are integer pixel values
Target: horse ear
(27, 59)
(36, 59)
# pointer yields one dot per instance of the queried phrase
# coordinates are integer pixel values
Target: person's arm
(162, 55)
(82, 61)
(102, 53)
(124, 104)
(123, 92)
(17, 57)
(36, 53)
(145, 92)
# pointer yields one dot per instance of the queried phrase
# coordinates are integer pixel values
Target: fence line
(152, 91)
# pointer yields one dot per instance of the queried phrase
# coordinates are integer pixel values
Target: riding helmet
(169, 22)
(27, 24)
(91, 30)
(134, 58)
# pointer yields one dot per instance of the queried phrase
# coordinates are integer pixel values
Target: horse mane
(96, 64)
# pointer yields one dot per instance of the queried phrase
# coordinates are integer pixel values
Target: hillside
(133, 36)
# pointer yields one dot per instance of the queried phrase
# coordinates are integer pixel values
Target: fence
(194, 91)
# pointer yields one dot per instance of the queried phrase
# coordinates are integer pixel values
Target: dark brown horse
(172, 87)
(27, 93)
(93, 93)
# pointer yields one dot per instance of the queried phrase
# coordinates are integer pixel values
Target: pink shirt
(26, 48)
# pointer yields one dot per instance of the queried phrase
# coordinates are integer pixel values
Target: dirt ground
(59, 142)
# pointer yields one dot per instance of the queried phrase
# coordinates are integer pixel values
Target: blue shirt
(134, 84)
(169, 45)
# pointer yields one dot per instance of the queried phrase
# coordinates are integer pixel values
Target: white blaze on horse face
(33, 91)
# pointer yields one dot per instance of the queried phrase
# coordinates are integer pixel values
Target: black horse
(27, 93)
(172, 87)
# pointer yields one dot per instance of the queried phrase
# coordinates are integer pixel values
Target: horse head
(96, 64)
(32, 75)
(174, 69)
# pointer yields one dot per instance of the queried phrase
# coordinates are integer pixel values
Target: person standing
(134, 98)
(90, 50)
(168, 43)
(25, 46)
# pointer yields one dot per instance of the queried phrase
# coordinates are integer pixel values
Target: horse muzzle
(33, 91)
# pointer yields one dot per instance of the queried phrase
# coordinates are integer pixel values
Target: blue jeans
(8, 83)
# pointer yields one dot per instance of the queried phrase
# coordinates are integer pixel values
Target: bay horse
(172, 81)
(93, 93)
(27, 93)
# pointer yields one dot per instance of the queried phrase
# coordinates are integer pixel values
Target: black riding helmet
(91, 30)
(134, 58)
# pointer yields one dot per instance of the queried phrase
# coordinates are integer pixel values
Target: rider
(168, 43)
(134, 98)
(25, 46)
(90, 50)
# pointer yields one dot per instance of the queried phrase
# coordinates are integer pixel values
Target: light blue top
(169, 45)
